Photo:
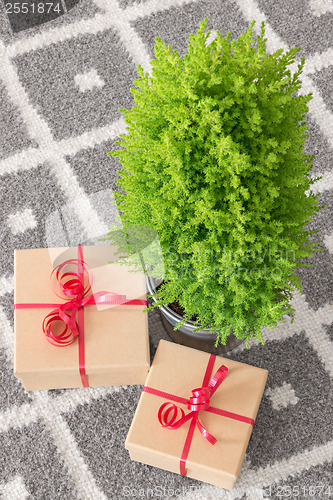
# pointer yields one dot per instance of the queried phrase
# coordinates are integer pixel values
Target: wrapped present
(79, 319)
(196, 414)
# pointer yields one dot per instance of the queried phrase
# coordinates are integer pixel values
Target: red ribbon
(199, 401)
(72, 285)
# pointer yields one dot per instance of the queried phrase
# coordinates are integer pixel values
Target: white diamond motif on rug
(89, 80)
(211, 37)
(321, 7)
(14, 489)
(282, 396)
(328, 241)
(22, 221)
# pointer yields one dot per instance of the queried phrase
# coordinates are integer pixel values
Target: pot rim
(168, 312)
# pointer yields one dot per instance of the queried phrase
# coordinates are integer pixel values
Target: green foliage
(213, 161)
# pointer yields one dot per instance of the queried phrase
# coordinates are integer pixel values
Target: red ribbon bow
(199, 401)
(72, 285)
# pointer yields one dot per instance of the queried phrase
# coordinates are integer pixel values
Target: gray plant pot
(203, 340)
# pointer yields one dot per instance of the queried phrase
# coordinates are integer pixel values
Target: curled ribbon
(199, 401)
(75, 286)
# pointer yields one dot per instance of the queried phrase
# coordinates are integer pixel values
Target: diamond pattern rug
(61, 85)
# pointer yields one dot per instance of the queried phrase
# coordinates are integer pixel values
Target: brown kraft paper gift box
(116, 345)
(178, 370)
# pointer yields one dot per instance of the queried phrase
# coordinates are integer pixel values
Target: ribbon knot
(200, 399)
(72, 286)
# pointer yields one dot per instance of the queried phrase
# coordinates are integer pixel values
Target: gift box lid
(114, 336)
(177, 370)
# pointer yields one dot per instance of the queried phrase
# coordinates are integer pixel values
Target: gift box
(79, 319)
(196, 414)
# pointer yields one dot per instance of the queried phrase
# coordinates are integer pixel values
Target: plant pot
(204, 339)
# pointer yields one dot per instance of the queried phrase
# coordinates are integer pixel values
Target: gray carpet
(61, 84)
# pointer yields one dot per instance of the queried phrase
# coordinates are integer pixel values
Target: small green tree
(213, 161)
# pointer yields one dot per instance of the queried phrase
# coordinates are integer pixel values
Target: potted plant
(213, 161)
